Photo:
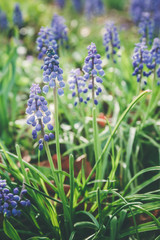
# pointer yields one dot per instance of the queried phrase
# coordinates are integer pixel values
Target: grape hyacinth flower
(52, 73)
(141, 58)
(93, 8)
(59, 29)
(60, 3)
(156, 19)
(17, 16)
(11, 201)
(93, 72)
(138, 7)
(146, 27)
(77, 85)
(3, 21)
(78, 5)
(39, 115)
(155, 58)
(111, 40)
(45, 40)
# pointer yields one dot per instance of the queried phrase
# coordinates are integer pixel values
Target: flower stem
(57, 129)
(96, 143)
(67, 217)
(58, 180)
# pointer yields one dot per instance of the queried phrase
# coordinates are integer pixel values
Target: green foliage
(10, 230)
(105, 201)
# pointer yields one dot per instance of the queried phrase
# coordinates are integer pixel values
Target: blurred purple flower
(3, 21)
(17, 16)
(111, 41)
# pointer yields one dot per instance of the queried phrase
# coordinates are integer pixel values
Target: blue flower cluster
(154, 59)
(45, 40)
(52, 73)
(59, 29)
(93, 8)
(138, 7)
(39, 115)
(17, 16)
(140, 60)
(3, 21)
(78, 5)
(145, 59)
(93, 71)
(111, 40)
(77, 86)
(10, 201)
(60, 3)
(146, 27)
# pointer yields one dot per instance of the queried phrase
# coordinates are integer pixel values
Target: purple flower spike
(78, 5)
(10, 202)
(59, 29)
(38, 112)
(111, 40)
(77, 84)
(93, 8)
(45, 40)
(152, 7)
(141, 58)
(60, 3)
(154, 60)
(146, 27)
(3, 21)
(92, 71)
(52, 72)
(17, 16)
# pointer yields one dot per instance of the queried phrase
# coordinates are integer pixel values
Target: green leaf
(156, 168)
(38, 238)
(122, 217)
(131, 105)
(10, 231)
(85, 224)
(72, 235)
(158, 238)
(90, 216)
(113, 228)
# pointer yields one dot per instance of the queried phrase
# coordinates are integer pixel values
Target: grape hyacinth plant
(139, 7)
(111, 41)
(141, 58)
(146, 27)
(3, 21)
(77, 86)
(59, 29)
(78, 5)
(93, 75)
(93, 8)
(60, 3)
(155, 59)
(45, 40)
(93, 72)
(39, 115)
(17, 16)
(154, 68)
(52, 73)
(10, 202)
